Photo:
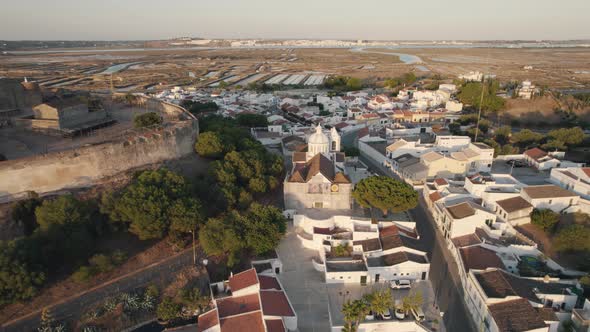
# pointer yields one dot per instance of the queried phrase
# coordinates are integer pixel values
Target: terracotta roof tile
(480, 258)
(516, 316)
(461, 210)
(514, 204)
(435, 196)
(208, 320)
(251, 322)
(299, 157)
(243, 279)
(547, 191)
(466, 240)
(535, 153)
(235, 305)
(369, 244)
(275, 303)
(275, 325)
(267, 282)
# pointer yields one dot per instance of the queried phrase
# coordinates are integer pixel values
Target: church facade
(318, 179)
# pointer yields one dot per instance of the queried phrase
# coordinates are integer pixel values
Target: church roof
(318, 164)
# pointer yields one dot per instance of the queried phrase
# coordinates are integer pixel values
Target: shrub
(102, 263)
(544, 219)
(83, 274)
(152, 291)
(168, 309)
(147, 120)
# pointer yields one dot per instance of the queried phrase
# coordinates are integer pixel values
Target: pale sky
(342, 19)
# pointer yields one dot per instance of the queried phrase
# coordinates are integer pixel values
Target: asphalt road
(72, 307)
(444, 274)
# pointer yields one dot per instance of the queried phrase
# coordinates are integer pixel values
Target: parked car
(418, 314)
(386, 315)
(400, 284)
(516, 163)
(370, 316)
(399, 311)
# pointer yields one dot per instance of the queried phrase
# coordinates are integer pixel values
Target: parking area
(305, 286)
(526, 175)
(338, 294)
(312, 298)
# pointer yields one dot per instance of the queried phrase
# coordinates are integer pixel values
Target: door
(423, 275)
(277, 270)
(363, 280)
(377, 278)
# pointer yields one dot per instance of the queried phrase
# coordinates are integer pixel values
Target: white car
(386, 315)
(400, 284)
(418, 314)
(399, 311)
(370, 316)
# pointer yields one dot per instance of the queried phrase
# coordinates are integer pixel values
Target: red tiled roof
(275, 303)
(251, 322)
(435, 196)
(275, 325)
(440, 181)
(535, 153)
(586, 171)
(235, 305)
(321, 230)
(516, 315)
(243, 279)
(267, 282)
(480, 258)
(208, 320)
(341, 125)
(466, 240)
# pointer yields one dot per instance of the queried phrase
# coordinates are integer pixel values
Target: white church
(317, 179)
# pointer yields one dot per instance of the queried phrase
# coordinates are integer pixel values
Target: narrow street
(443, 270)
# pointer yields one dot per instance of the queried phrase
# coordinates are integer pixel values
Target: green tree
(544, 219)
(412, 301)
(146, 203)
(264, 228)
(149, 119)
(385, 193)
(209, 145)
(380, 302)
(218, 239)
(573, 238)
(252, 120)
(527, 137)
(168, 309)
(63, 210)
(470, 94)
(20, 277)
(567, 136)
(185, 217)
(502, 134)
(354, 312)
(354, 84)
(23, 212)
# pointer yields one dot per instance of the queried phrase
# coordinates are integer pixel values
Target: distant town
(295, 185)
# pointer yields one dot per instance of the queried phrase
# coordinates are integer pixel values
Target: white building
(576, 179)
(550, 197)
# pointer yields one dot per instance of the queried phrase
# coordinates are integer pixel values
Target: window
(318, 205)
(550, 201)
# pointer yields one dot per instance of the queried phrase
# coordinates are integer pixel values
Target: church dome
(318, 137)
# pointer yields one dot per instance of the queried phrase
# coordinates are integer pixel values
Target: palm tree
(380, 301)
(353, 314)
(412, 301)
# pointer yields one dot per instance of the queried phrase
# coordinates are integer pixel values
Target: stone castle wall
(82, 167)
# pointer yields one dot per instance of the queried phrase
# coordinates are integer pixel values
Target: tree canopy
(19, 278)
(385, 193)
(155, 200)
(545, 219)
(470, 94)
(147, 120)
(573, 238)
(209, 145)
